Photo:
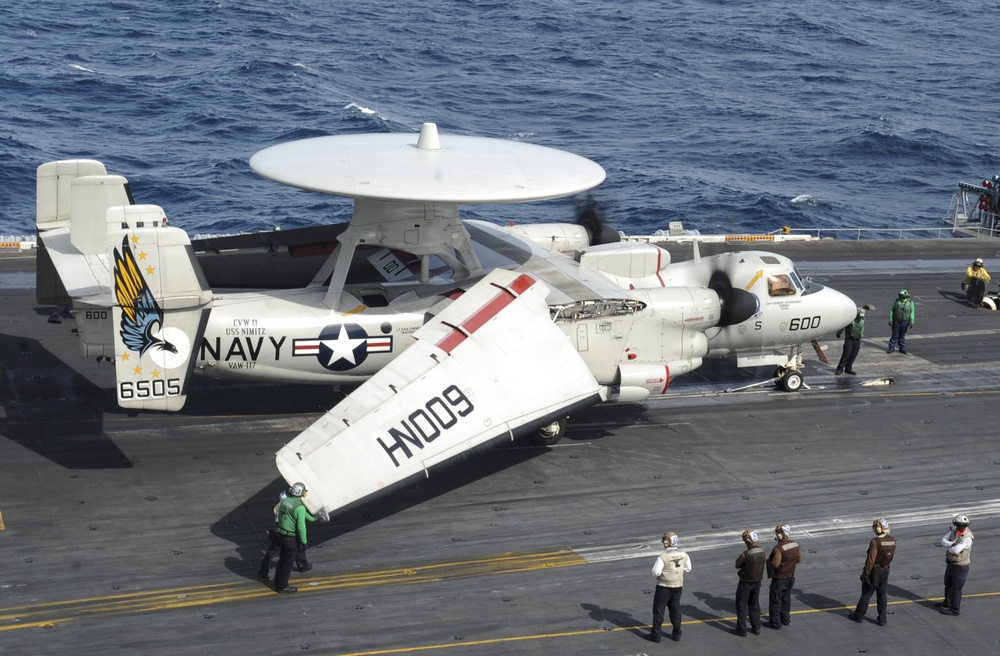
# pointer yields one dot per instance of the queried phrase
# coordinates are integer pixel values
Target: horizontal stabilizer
(492, 366)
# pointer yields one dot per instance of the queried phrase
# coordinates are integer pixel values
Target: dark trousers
(851, 348)
(876, 585)
(779, 601)
(898, 335)
(669, 599)
(954, 581)
(289, 551)
(273, 549)
(747, 603)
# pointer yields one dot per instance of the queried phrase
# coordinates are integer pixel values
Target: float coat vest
(790, 557)
(963, 557)
(752, 568)
(672, 575)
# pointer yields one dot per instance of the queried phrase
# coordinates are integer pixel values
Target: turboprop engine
(636, 345)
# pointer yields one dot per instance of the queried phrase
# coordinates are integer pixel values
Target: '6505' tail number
(149, 389)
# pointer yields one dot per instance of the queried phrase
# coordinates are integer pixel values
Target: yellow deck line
(95, 608)
(601, 631)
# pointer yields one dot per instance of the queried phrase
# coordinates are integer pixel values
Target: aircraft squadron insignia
(341, 347)
(142, 318)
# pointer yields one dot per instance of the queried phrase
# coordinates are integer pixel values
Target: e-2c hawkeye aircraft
(466, 333)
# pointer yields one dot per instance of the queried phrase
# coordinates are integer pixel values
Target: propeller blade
(738, 305)
(588, 216)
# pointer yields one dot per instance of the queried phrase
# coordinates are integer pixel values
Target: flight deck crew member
(974, 271)
(669, 571)
(852, 332)
(750, 564)
(875, 577)
(302, 563)
(959, 542)
(781, 570)
(902, 316)
(291, 528)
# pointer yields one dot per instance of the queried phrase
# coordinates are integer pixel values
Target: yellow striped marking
(732, 238)
(3, 527)
(757, 276)
(49, 614)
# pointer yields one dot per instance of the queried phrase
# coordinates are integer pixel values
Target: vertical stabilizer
(91, 221)
(53, 182)
(161, 304)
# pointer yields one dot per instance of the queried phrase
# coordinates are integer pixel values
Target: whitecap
(804, 198)
(78, 67)
(363, 110)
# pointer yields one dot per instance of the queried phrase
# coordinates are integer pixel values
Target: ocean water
(734, 117)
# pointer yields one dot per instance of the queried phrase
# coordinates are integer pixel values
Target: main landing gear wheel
(790, 380)
(550, 433)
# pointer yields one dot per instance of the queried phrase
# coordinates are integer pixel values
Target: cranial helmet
(750, 536)
(904, 293)
(669, 539)
(862, 312)
(297, 489)
(978, 262)
(781, 530)
(961, 521)
(880, 525)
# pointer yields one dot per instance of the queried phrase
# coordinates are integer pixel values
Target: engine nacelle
(640, 381)
(627, 265)
(562, 237)
(695, 308)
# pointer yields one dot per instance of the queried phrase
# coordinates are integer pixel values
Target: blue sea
(728, 116)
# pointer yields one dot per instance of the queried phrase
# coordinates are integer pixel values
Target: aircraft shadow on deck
(56, 411)
(51, 409)
(246, 525)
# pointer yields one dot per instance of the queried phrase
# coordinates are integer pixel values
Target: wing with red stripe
(491, 367)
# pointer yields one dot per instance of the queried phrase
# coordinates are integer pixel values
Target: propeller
(589, 216)
(738, 305)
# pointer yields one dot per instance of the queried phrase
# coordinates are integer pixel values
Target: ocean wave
(718, 116)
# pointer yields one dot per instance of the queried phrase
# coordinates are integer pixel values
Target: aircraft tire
(549, 434)
(791, 381)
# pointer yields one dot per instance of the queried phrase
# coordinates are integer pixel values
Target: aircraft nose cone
(843, 308)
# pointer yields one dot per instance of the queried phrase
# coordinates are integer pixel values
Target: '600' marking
(424, 425)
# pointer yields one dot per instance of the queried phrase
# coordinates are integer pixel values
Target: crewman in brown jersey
(875, 577)
(750, 564)
(781, 570)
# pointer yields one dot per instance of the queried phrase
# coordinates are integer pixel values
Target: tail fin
(161, 306)
(138, 291)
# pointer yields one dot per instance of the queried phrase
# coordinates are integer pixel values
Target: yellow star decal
(156, 374)
(150, 270)
(135, 239)
(137, 370)
(125, 357)
(142, 255)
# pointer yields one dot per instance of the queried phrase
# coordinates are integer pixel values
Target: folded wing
(490, 368)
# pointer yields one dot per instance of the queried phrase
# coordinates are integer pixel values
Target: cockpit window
(780, 284)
